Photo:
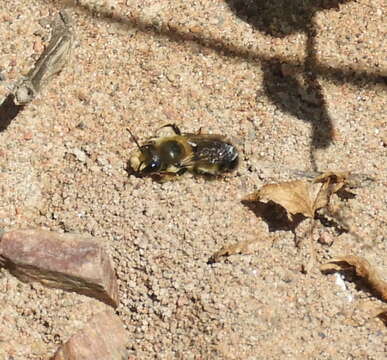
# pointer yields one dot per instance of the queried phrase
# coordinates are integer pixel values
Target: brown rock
(103, 338)
(66, 261)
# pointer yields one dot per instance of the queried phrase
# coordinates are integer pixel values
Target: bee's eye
(151, 160)
(153, 166)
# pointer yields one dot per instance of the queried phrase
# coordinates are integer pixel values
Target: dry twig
(49, 63)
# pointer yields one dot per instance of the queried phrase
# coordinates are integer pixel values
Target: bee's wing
(200, 138)
(187, 161)
(204, 149)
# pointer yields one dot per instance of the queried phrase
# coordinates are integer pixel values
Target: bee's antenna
(134, 139)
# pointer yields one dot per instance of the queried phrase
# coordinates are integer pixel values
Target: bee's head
(146, 159)
(150, 160)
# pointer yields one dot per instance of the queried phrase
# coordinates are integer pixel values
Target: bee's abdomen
(223, 156)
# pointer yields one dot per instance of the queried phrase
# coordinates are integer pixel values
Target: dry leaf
(363, 269)
(376, 311)
(364, 311)
(336, 180)
(242, 247)
(301, 196)
(383, 316)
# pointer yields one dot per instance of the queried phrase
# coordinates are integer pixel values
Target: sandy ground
(297, 91)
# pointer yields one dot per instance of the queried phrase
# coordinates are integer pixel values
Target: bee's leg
(181, 171)
(200, 131)
(165, 176)
(174, 127)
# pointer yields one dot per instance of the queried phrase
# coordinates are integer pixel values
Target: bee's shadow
(130, 170)
(159, 178)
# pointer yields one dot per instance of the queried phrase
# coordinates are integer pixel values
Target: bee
(170, 156)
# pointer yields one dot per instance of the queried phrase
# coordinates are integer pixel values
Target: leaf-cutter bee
(173, 155)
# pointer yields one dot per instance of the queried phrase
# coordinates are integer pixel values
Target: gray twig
(51, 62)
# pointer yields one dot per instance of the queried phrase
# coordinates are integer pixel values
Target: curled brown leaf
(362, 269)
(382, 315)
(302, 196)
(335, 180)
(242, 247)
